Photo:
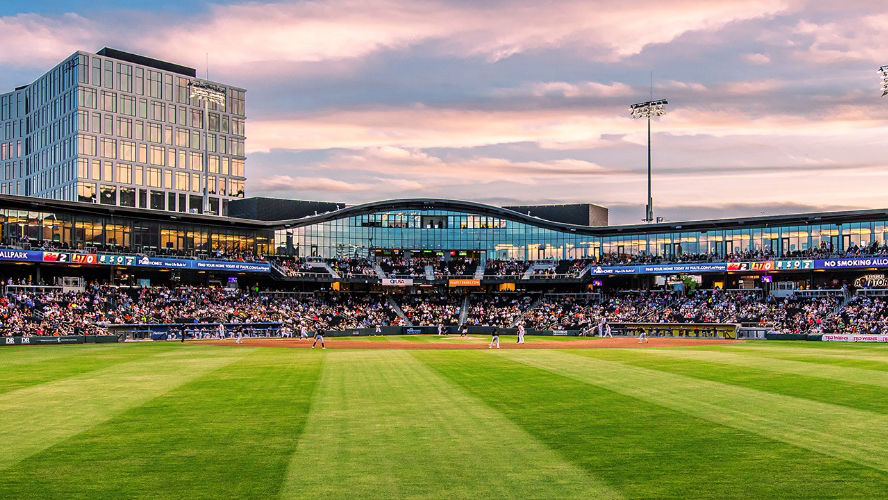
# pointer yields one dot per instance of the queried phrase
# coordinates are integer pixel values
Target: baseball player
(521, 333)
(494, 339)
(319, 335)
(604, 329)
(240, 336)
(303, 333)
(378, 331)
(642, 336)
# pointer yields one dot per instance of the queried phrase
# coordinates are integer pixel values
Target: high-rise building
(121, 129)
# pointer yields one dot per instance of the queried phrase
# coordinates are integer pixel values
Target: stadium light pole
(205, 93)
(884, 71)
(648, 109)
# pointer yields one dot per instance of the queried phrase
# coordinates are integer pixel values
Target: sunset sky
(774, 106)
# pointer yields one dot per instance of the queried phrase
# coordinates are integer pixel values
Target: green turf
(757, 420)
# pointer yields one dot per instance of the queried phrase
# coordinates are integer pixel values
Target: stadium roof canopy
(13, 202)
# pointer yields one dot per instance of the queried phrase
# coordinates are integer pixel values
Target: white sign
(396, 282)
(855, 338)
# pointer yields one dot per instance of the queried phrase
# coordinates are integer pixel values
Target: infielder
(642, 336)
(521, 333)
(319, 335)
(494, 339)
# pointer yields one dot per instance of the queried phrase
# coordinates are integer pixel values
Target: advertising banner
(396, 281)
(21, 255)
(851, 263)
(242, 267)
(706, 267)
(855, 338)
(165, 263)
(453, 283)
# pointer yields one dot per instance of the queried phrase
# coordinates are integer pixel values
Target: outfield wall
(64, 339)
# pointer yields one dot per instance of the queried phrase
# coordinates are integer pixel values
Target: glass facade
(125, 234)
(494, 234)
(95, 124)
(501, 238)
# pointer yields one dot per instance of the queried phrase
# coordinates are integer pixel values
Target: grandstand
(423, 263)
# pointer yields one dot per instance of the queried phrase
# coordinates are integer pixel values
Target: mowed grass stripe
(833, 430)
(646, 450)
(44, 369)
(229, 433)
(867, 359)
(383, 425)
(853, 394)
(827, 371)
(20, 355)
(48, 413)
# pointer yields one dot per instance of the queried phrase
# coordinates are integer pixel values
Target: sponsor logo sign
(851, 263)
(559, 333)
(21, 255)
(59, 257)
(453, 283)
(396, 282)
(855, 338)
(245, 267)
(413, 331)
(871, 280)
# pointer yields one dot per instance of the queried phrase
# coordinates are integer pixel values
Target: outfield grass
(756, 420)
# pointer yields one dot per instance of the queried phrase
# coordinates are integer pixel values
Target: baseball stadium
(164, 336)
(429, 348)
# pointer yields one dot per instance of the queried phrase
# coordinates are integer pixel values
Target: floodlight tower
(646, 110)
(206, 93)
(884, 71)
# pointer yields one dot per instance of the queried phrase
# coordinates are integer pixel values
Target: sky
(774, 105)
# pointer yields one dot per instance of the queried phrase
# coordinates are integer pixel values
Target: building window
(156, 155)
(109, 101)
(127, 197)
(128, 105)
(125, 175)
(109, 148)
(125, 127)
(157, 200)
(86, 192)
(154, 179)
(108, 195)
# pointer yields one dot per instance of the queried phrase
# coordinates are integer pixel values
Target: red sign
(55, 257)
(82, 258)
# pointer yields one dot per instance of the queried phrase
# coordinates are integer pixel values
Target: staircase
(379, 272)
(479, 271)
(464, 311)
(400, 312)
(430, 273)
(331, 271)
(527, 311)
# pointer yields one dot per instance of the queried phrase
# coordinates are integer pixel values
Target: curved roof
(434, 204)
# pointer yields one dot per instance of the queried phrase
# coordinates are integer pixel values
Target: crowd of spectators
(353, 267)
(32, 311)
(56, 313)
(503, 268)
(500, 310)
(431, 309)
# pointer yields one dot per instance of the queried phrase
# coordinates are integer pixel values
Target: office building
(116, 128)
